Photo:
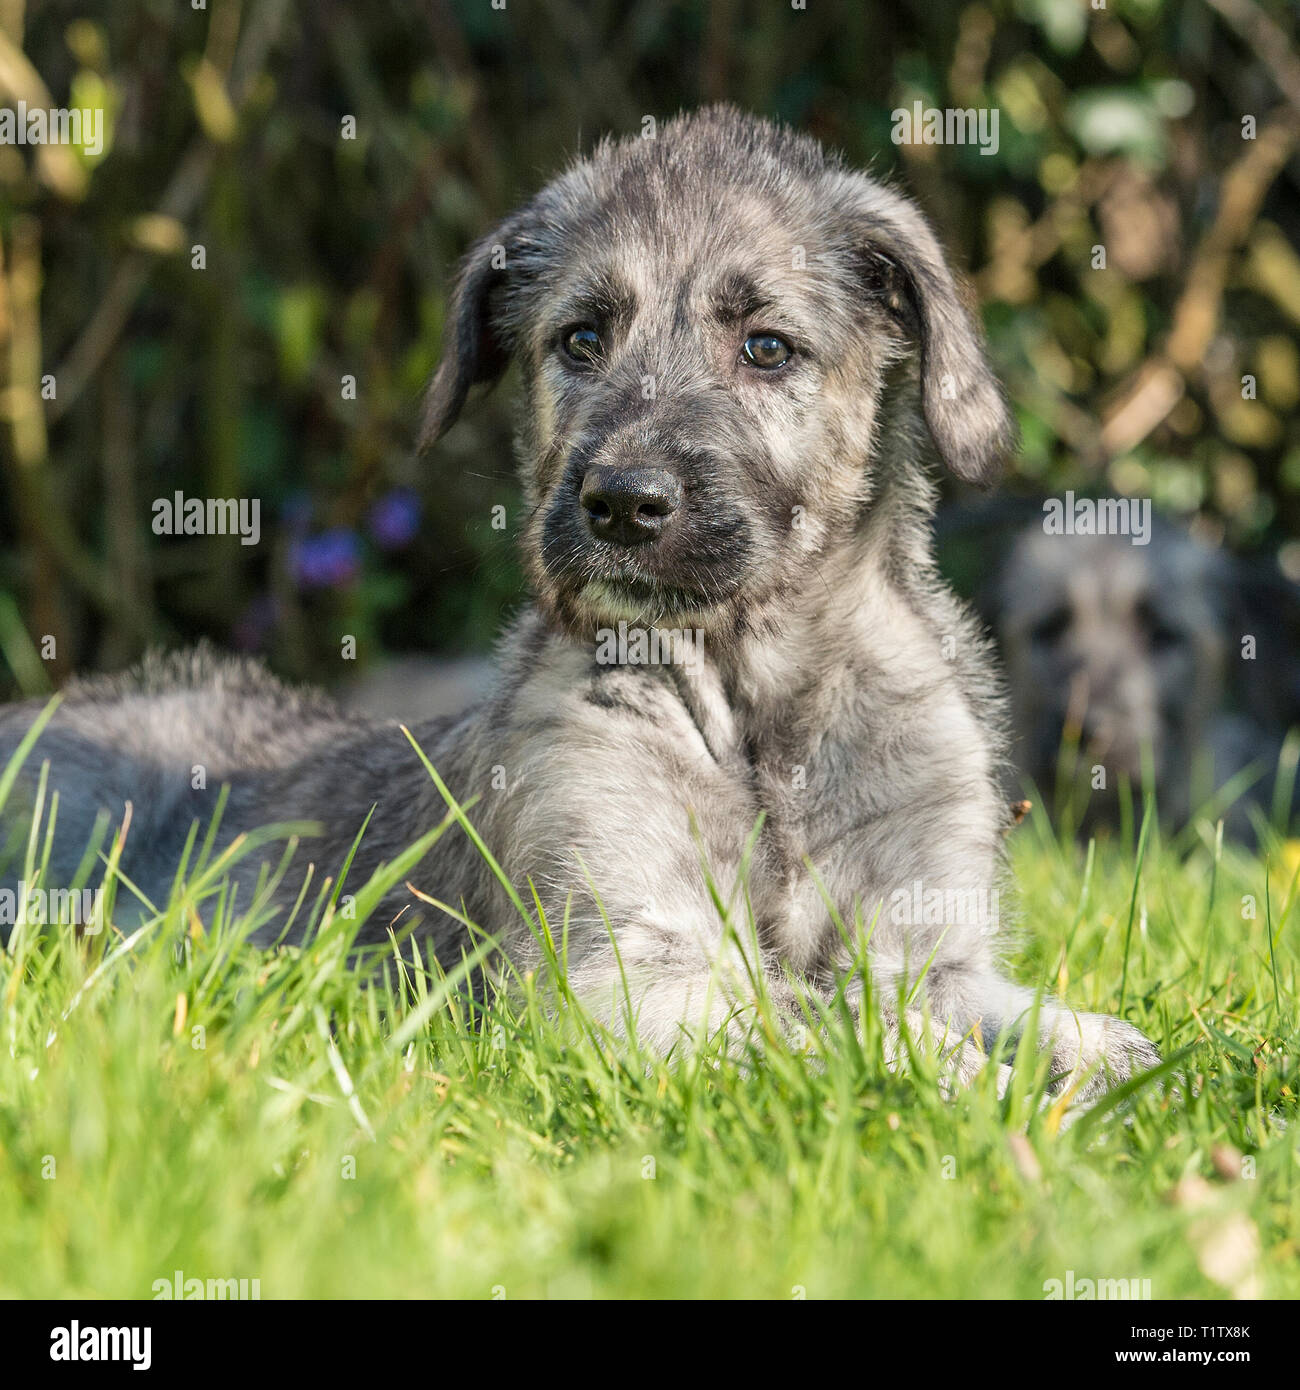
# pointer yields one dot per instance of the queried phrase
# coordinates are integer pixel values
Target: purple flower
(330, 560)
(395, 518)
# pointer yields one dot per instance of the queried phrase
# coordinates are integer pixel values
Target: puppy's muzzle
(629, 506)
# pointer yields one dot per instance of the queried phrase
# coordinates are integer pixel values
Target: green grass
(173, 1099)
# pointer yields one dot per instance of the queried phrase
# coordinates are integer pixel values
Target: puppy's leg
(961, 1059)
(657, 1006)
(1080, 1043)
(674, 992)
(664, 1001)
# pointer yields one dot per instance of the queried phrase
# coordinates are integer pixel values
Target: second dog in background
(1173, 657)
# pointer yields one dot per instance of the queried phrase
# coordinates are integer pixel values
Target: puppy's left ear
(905, 268)
(476, 342)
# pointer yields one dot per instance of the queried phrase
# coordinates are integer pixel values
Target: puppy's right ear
(476, 344)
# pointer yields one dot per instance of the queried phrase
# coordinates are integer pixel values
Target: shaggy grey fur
(839, 690)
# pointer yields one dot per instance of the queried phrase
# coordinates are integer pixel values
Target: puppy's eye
(582, 344)
(1050, 628)
(1162, 635)
(767, 351)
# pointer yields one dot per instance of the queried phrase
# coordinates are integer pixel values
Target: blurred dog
(1167, 661)
(732, 348)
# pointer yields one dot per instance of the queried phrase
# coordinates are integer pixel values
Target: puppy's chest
(685, 745)
(700, 765)
(641, 770)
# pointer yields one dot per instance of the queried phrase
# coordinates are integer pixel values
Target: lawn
(172, 1099)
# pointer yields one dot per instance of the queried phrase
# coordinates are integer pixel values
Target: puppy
(1166, 662)
(737, 357)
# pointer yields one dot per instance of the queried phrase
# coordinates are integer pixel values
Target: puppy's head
(711, 325)
(1121, 647)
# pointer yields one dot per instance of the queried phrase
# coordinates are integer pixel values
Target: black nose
(629, 505)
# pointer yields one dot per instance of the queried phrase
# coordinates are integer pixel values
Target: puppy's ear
(476, 344)
(904, 267)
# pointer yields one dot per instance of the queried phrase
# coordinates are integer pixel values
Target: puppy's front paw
(1110, 1049)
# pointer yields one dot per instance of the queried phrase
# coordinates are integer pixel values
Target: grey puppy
(736, 353)
(1169, 652)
